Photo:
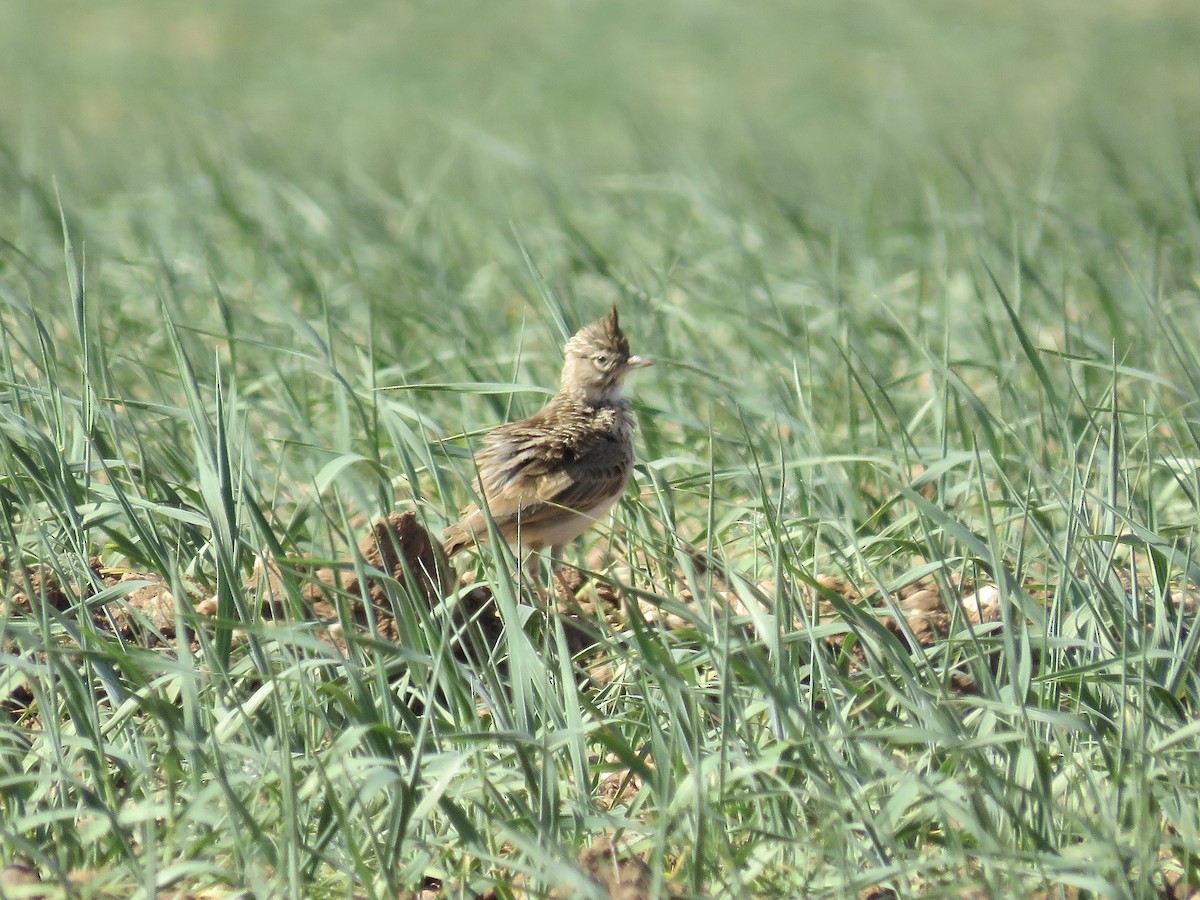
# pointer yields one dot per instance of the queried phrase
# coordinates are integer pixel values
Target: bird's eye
(602, 360)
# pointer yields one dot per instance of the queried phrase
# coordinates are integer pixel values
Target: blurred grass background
(828, 104)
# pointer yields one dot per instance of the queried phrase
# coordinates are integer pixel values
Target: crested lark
(547, 479)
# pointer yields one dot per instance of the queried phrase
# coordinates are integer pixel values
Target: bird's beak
(638, 362)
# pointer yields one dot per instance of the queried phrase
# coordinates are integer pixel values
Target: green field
(903, 597)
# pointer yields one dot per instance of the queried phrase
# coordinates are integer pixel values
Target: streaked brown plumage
(545, 480)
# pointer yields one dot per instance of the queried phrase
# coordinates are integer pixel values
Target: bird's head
(598, 359)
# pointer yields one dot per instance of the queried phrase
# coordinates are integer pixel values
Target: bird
(547, 479)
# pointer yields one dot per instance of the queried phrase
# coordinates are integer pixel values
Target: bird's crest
(604, 335)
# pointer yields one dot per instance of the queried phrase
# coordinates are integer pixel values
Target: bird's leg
(533, 572)
(533, 568)
(557, 575)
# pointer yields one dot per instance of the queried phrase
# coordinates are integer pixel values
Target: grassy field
(903, 598)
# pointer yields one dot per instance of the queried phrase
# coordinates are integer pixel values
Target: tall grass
(969, 372)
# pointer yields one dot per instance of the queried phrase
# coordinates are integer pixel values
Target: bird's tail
(456, 538)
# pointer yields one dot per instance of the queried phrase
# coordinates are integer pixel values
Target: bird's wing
(532, 471)
(532, 474)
